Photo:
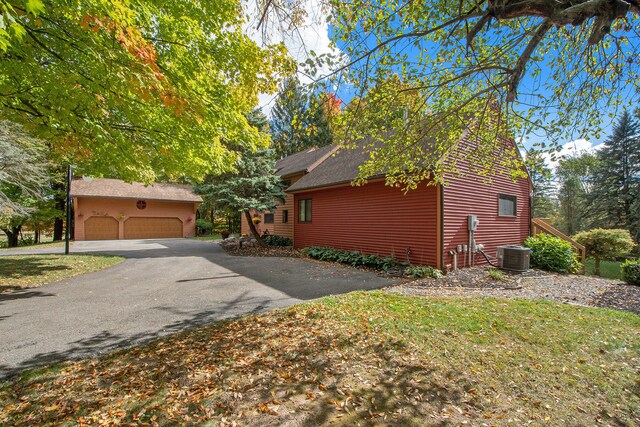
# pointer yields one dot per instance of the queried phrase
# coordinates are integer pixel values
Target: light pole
(67, 233)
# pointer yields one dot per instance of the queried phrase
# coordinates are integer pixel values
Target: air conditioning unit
(514, 258)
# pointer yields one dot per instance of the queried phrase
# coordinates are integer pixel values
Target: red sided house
(422, 226)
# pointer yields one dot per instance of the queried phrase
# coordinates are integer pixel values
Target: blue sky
(316, 35)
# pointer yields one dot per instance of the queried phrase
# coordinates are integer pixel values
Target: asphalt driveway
(162, 287)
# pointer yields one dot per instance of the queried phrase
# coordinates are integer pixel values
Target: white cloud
(310, 36)
(573, 148)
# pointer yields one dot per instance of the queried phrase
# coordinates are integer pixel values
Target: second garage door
(152, 228)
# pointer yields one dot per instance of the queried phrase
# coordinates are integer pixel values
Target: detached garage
(110, 209)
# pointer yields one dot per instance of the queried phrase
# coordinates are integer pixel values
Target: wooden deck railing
(539, 225)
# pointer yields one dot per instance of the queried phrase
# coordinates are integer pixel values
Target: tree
(301, 120)
(575, 178)
(617, 178)
(136, 89)
(254, 186)
(605, 244)
(23, 169)
(549, 66)
(544, 205)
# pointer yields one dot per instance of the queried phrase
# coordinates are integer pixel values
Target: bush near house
(552, 254)
(352, 258)
(275, 240)
(422, 271)
(605, 244)
(631, 271)
(203, 226)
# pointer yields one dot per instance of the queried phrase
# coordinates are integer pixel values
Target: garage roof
(117, 189)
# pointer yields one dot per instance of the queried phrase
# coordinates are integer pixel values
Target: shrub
(605, 244)
(631, 271)
(421, 271)
(496, 274)
(203, 226)
(352, 258)
(275, 240)
(552, 254)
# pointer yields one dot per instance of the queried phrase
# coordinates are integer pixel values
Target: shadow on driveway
(164, 286)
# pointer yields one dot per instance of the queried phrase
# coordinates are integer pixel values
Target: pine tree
(287, 119)
(617, 179)
(254, 186)
(300, 120)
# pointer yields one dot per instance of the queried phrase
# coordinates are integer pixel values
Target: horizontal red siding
(473, 195)
(374, 219)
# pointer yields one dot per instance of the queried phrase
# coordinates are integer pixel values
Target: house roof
(117, 189)
(304, 161)
(342, 166)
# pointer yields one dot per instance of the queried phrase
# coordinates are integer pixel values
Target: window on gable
(507, 205)
(268, 218)
(304, 210)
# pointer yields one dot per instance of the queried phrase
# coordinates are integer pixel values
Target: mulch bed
(566, 288)
(269, 251)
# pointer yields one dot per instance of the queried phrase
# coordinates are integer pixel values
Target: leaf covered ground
(366, 358)
(29, 271)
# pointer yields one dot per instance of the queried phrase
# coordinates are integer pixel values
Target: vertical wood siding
(374, 219)
(278, 227)
(472, 195)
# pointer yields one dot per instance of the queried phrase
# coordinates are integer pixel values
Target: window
(141, 204)
(268, 218)
(304, 210)
(507, 205)
(285, 216)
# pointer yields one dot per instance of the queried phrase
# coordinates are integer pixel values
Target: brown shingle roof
(343, 166)
(304, 161)
(114, 188)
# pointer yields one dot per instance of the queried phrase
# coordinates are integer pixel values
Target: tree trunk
(36, 236)
(253, 229)
(597, 267)
(12, 236)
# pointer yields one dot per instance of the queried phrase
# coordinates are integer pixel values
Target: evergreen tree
(544, 203)
(254, 186)
(617, 179)
(287, 118)
(300, 120)
(575, 178)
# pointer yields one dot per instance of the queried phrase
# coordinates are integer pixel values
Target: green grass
(28, 271)
(365, 358)
(208, 237)
(608, 269)
(46, 241)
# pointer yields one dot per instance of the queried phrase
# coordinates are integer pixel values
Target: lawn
(46, 242)
(28, 271)
(366, 358)
(608, 269)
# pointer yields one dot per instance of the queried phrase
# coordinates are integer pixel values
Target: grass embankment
(29, 271)
(365, 358)
(608, 269)
(208, 237)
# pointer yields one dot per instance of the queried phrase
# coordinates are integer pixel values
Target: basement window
(304, 210)
(268, 218)
(507, 205)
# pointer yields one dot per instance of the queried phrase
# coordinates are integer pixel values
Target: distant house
(110, 209)
(421, 226)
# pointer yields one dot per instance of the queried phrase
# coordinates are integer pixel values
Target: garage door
(152, 228)
(101, 228)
